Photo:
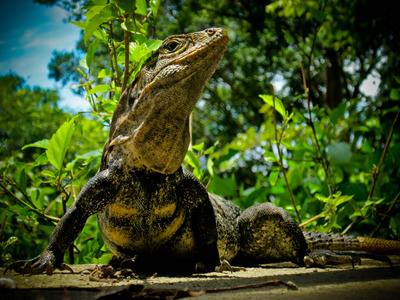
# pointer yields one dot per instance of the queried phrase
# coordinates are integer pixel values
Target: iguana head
(150, 126)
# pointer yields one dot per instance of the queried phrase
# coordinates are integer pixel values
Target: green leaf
(269, 156)
(273, 177)
(155, 4)
(95, 17)
(105, 73)
(126, 5)
(141, 7)
(37, 198)
(94, 153)
(210, 165)
(224, 187)
(289, 38)
(341, 199)
(337, 113)
(318, 15)
(83, 63)
(198, 147)
(39, 144)
(278, 104)
(192, 160)
(340, 152)
(105, 258)
(41, 160)
(90, 52)
(258, 195)
(395, 94)
(80, 24)
(101, 88)
(21, 179)
(108, 105)
(10, 241)
(133, 26)
(59, 144)
(153, 45)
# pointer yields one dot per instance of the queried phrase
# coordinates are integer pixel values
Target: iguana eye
(171, 46)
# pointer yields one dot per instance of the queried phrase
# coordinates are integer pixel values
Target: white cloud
(75, 102)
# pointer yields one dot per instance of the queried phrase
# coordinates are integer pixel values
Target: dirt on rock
(369, 280)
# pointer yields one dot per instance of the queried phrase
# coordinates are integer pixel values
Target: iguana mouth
(219, 35)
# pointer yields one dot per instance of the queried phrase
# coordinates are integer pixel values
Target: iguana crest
(150, 126)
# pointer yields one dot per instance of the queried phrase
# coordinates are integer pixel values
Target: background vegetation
(314, 142)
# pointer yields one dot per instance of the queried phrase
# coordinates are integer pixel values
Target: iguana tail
(336, 242)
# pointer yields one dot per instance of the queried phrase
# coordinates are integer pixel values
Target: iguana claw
(45, 262)
(226, 266)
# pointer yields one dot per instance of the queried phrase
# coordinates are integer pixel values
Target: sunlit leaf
(192, 160)
(101, 88)
(105, 73)
(141, 7)
(90, 52)
(154, 4)
(59, 144)
(278, 104)
(39, 144)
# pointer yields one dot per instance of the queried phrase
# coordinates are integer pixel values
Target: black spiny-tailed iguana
(149, 206)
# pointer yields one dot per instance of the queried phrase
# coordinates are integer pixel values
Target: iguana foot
(226, 266)
(45, 262)
(320, 258)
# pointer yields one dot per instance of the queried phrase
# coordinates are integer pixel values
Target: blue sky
(29, 33)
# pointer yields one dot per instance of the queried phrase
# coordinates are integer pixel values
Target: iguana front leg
(98, 192)
(203, 223)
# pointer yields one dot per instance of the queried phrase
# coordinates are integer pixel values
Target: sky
(29, 33)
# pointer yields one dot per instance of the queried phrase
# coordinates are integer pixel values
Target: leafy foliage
(319, 146)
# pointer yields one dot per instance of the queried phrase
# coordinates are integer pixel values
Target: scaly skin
(151, 208)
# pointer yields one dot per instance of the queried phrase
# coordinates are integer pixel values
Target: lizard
(150, 208)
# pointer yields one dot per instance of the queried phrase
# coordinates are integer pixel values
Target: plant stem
(126, 70)
(280, 162)
(313, 127)
(113, 53)
(376, 172)
(34, 210)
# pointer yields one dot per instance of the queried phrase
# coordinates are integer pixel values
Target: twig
(27, 205)
(113, 52)
(278, 143)
(289, 285)
(376, 172)
(316, 217)
(126, 70)
(387, 215)
(145, 19)
(313, 129)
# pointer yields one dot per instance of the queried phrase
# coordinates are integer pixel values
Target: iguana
(148, 206)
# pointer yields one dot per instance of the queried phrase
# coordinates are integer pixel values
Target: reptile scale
(150, 208)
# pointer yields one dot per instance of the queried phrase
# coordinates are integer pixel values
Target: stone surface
(367, 281)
